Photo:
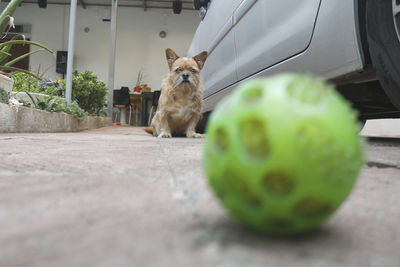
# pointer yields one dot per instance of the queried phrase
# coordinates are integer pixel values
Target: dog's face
(185, 71)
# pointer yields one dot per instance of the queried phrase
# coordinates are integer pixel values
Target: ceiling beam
(147, 1)
(170, 1)
(119, 5)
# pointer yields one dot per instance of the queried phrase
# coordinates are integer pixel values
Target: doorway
(18, 50)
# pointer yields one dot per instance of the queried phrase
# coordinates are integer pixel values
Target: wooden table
(136, 100)
(147, 100)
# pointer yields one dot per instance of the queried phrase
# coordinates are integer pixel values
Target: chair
(154, 104)
(121, 100)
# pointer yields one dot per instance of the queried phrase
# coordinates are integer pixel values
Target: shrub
(89, 92)
(75, 110)
(4, 96)
(24, 82)
(58, 104)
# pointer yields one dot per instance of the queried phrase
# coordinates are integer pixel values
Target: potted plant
(6, 20)
(138, 87)
(145, 88)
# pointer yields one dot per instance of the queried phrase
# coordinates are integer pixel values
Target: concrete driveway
(119, 197)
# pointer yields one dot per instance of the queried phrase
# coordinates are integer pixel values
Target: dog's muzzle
(185, 78)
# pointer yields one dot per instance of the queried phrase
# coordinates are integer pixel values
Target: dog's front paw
(193, 134)
(164, 135)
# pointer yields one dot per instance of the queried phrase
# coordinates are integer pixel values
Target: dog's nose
(185, 77)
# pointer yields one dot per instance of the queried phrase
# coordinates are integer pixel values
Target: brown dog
(181, 97)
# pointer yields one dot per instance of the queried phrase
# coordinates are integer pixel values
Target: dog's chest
(182, 113)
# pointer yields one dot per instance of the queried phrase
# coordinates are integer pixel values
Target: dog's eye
(178, 70)
(193, 70)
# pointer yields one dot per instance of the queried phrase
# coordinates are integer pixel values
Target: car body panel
(279, 30)
(334, 51)
(211, 25)
(219, 70)
(214, 35)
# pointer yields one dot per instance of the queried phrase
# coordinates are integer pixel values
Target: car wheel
(383, 32)
(201, 125)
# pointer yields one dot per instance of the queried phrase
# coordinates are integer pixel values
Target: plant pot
(22, 96)
(6, 83)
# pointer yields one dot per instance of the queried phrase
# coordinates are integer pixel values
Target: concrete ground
(118, 197)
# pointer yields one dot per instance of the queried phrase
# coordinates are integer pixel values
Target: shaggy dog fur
(181, 97)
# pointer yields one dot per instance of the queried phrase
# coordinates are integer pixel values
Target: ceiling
(145, 4)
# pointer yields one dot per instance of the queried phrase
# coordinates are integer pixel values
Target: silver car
(353, 43)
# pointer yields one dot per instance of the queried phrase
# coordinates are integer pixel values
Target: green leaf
(12, 42)
(8, 11)
(15, 60)
(4, 57)
(5, 53)
(19, 70)
(34, 101)
(51, 104)
(4, 96)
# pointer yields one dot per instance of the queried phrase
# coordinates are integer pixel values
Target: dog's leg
(155, 124)
(190, 130)
(164, 131)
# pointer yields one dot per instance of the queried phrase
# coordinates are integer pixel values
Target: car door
(268, 31)
(214, 34)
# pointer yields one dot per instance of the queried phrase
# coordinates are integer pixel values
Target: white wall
(139, 46)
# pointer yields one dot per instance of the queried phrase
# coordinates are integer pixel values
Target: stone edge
(18, 119)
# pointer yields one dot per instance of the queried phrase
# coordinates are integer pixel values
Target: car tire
(384, 46)
(202, 124)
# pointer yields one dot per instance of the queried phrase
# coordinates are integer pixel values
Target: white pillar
(111, 70)
(71, 43)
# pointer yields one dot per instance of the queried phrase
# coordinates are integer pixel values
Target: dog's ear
(201, 59)
(171, 57)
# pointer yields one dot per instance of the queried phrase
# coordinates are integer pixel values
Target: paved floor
(382, 128)
(118, 197)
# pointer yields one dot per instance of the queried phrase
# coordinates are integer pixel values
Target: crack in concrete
(164, 156)
(382, 165)
(6, 138)
(382, 141)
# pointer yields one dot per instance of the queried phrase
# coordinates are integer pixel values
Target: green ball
(282, 153)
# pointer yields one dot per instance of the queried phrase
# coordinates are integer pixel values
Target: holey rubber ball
(282, 153)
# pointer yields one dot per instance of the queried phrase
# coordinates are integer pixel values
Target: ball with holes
(282, 153)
